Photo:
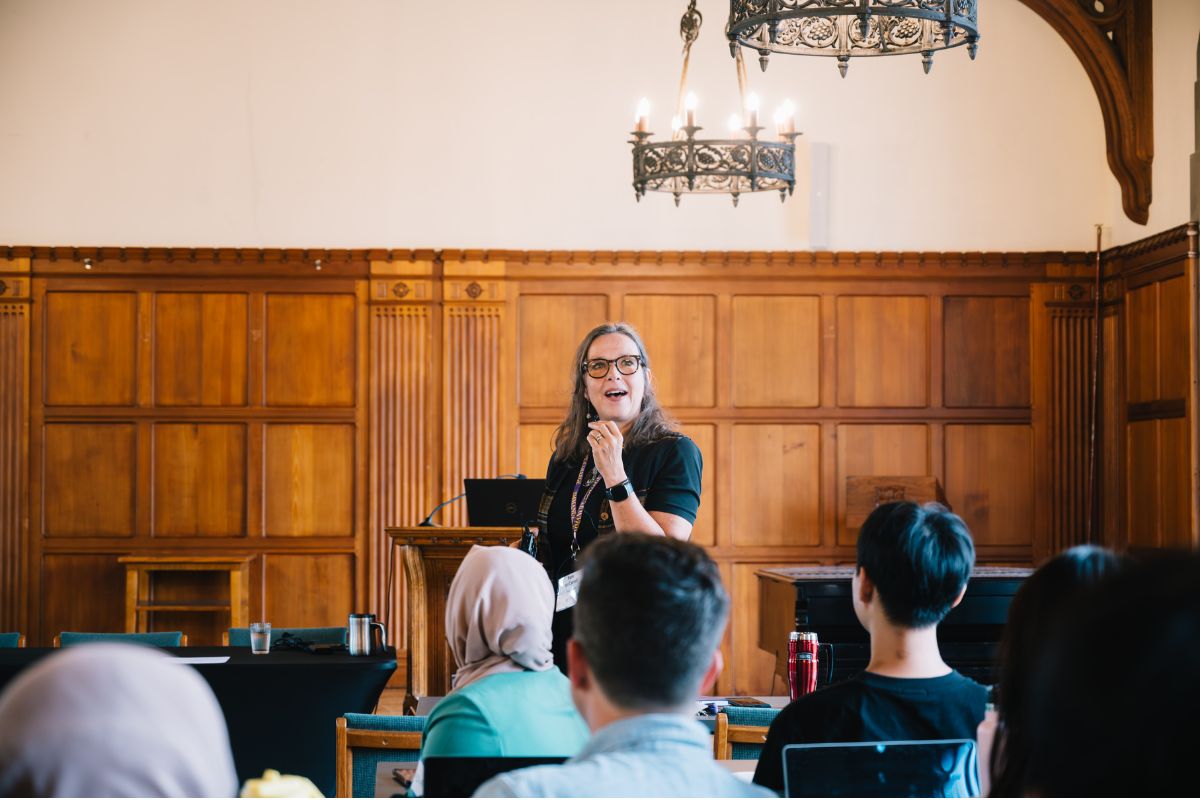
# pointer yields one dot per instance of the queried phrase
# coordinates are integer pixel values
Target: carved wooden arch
(1112, 39)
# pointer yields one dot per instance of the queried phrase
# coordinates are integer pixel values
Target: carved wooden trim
(14, 461)
(1113, 41)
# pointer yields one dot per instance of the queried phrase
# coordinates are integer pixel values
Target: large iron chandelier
(845, 28)
(685, 164)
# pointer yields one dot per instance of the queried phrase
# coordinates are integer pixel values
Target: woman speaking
(619, 465)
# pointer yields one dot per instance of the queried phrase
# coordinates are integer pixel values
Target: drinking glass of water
(260, 638)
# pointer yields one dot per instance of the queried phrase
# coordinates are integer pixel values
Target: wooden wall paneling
(1143, 484)
(89, 479)
(776, 486)
(987, 352)
(1112, 429)
(199, 479)
(680, 336)
(1174, 461)
(877, 450)
(94, 601)
(776, 351)
(14, 442)
(1172, 345)
(309, 479)
(319, 332)
(753, 668)
(549, 328)
(883, 351)
(473, 396)
(1141, 343)
(704, 529)
(91, 348)
(200, 349)
(309, 590)
(990, 481)
(535, 443)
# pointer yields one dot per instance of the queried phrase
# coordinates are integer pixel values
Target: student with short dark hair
(913, 566)
(647, 636)
(1114, 701)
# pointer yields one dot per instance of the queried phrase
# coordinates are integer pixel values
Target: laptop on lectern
(503, 502)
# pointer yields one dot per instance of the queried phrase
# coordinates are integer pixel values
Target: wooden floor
(391, 702)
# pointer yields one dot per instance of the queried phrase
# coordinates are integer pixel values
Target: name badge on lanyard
(568, 591)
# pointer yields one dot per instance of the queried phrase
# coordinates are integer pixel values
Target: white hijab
(498, 614)
(113, 720)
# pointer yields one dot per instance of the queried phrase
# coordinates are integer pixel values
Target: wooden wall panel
(88, 479)
(987, 349)
(200, 349)
(704, 531)
(1143, 494)
(990, 481)
(753, 669)
(77, 595)
(1141, 344)
(90, 351)
(680, 331)
(535, 443)
(14, 452)
(883, 352)
(311, 590)
(1172, 346)
(545, 371)
(1174, 471)
(310, 350)
(776, 351)
(877, 450)
(199, 479)
(776, 485)
(309, 484)
(472, 390)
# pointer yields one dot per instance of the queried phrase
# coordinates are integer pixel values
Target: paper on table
(202, 659)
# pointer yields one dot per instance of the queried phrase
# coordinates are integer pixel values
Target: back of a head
(651, 612)
(918, 557)
(1026, 635)
(1114, 701)
(113, 720)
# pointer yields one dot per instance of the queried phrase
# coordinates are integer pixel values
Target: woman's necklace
(578, 505)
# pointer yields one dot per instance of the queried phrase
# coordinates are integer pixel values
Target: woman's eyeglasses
(598, 367)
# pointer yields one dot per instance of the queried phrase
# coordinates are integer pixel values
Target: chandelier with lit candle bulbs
(685, 164)
(846, 28)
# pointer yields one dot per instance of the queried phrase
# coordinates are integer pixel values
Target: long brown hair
(652, 423)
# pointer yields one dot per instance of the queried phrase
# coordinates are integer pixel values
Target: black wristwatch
(620, 492)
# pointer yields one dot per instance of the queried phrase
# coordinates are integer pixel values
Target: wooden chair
(12, 639)
(156, 639)
(741, 732)
(377, 737)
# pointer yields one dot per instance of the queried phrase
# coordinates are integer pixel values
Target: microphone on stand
(428, 521)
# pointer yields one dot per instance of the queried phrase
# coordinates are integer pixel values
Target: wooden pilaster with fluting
(14, 442)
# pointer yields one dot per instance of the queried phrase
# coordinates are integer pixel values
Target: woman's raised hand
(606, 441)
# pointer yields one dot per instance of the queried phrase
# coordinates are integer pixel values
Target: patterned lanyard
(577, 505)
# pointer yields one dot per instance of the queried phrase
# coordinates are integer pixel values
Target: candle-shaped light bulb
(675, 124)
(735, 124)
(789, 116)
(642, 120)
(752, 110)
(689, 106)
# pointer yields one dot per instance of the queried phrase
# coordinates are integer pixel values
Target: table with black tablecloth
(281, 708)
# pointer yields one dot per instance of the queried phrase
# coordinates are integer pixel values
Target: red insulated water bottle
(793, 651)
(806, 663)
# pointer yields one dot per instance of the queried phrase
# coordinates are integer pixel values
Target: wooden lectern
(431, 557)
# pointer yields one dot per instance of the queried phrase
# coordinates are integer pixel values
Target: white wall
(392, 123)
(1176, 31)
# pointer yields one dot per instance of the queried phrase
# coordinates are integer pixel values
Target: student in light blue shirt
(648, 627)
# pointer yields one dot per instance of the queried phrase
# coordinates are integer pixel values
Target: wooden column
(14, 442)
(404, 414)
(1063, 322)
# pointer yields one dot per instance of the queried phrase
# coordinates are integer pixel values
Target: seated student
(1004, 734)
(913, 565)
(1114, 701)
(113, 720)
(648, 626)
(508, 699)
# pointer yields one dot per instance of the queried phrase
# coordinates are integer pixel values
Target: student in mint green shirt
(508, 697)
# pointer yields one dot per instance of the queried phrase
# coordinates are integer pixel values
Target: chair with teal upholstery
(740, 732)
(12, 640)
(155, 639)
(240, 637)
(364, 740)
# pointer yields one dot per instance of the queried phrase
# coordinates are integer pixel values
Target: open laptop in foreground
(942, 768)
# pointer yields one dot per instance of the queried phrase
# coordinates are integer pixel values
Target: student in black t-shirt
(913, 565)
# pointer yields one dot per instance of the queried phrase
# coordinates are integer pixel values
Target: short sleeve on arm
(675, 481)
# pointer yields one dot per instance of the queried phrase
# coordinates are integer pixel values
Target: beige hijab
(498, 614)
(113, 720)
